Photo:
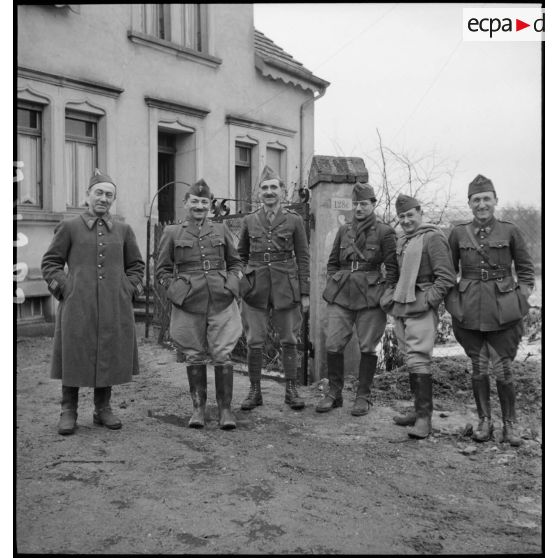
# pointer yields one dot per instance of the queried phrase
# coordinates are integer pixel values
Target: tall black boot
(68, 414)
(366, 371)
(481, 391)
(292, 399)
(335, 375)
(197, 379)
(223, 393)
(506, 394)
(423, 407)
(255, 362)
(410, 417)
(103, 413)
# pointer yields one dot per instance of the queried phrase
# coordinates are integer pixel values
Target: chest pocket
(218, 246)
(468, 254)
(283, 240)
(500, 252)
(373, 251)
(183, 250)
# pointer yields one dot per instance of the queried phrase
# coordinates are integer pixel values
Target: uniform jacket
(434, 279)
(189, 244)
(279, 283)
(495, 303)
(357, 290)
(94, 337)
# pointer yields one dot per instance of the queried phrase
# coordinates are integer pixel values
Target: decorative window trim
(174, 106)
(276, 145)
(255, 125)
(143, 39)
(97, 87)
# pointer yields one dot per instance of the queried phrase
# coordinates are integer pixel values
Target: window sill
(174, 48)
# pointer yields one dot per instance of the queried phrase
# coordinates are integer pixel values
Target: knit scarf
(361, 230)
(405, 289)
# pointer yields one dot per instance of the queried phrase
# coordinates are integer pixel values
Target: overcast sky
(404, 69)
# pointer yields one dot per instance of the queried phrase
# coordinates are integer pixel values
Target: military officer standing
(274, 248)
(425, 276)
(488, 304)
(201, 270)
(353, 290)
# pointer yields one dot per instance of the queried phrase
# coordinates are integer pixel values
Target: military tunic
(200, 269)
(94, 337)
(487, 304)
(276, 275)
(356, 284)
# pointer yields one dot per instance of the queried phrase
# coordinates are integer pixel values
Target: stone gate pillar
(331, 181)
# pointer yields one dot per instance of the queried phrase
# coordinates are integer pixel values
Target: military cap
(480, 184)
(404, 203)
(269, 174)
(199, 189)
(363, 191)
(99, 177)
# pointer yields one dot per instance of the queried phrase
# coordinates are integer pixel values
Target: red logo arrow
(519, 25)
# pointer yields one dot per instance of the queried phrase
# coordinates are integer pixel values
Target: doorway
(166, 173)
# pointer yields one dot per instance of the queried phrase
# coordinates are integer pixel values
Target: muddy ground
(283, 482)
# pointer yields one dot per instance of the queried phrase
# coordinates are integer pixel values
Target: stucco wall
(93, 45)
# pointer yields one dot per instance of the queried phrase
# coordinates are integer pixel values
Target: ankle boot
(68, 414)
(410, 417)
(223, 393)
(481, 391)
(335, 373)
(197, 379)
(103, 413)
(366, 371)
(506, 394)
(423, 407)
(254, 397)
(292, 399)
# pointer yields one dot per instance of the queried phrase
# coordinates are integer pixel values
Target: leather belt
(357, 265)
(485, 274)
(269, 257)
(425, 279)
(204, 265)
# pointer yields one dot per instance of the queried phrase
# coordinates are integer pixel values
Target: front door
(166, 162)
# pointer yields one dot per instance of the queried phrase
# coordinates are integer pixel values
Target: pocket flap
(463, 284)
(506, 285)
(184, 243)
(498, 243)
(466, 245)
(217, 241)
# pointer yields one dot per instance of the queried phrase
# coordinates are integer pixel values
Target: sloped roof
(273, 62)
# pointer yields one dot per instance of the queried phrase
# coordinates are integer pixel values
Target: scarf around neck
(361, 230)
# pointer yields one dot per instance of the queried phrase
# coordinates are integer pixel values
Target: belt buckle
(208, 265)
(353, 266)
(484, 275)
(268, 259)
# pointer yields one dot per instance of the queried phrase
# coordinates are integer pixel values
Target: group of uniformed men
(371, 272)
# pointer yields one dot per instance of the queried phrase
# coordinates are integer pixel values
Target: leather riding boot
(255, 362)
(423, 407)
(223, 393)
(506, 394)
(335, 374)
(366, 371)
(103, 413)
(410, 417)
(68, 414)
(292, 398)
(481, 391)
(197, 379)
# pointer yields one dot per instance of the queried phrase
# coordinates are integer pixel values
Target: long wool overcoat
(94, 338)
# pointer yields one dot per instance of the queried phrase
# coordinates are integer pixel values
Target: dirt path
(282, 482)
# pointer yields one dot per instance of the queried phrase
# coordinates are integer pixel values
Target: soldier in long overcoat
(353, 290)
(425, 276)
(200, 269)
(274, 248)
(488, 304)
(94, 337)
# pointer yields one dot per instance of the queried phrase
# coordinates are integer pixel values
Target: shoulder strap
(481, 251)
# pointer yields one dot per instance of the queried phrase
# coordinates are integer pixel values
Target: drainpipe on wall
(301, 163)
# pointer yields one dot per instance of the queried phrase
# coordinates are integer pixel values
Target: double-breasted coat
(487, 297)
(94, 338)
(198, 265)
(355, 280)
(272, 275)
